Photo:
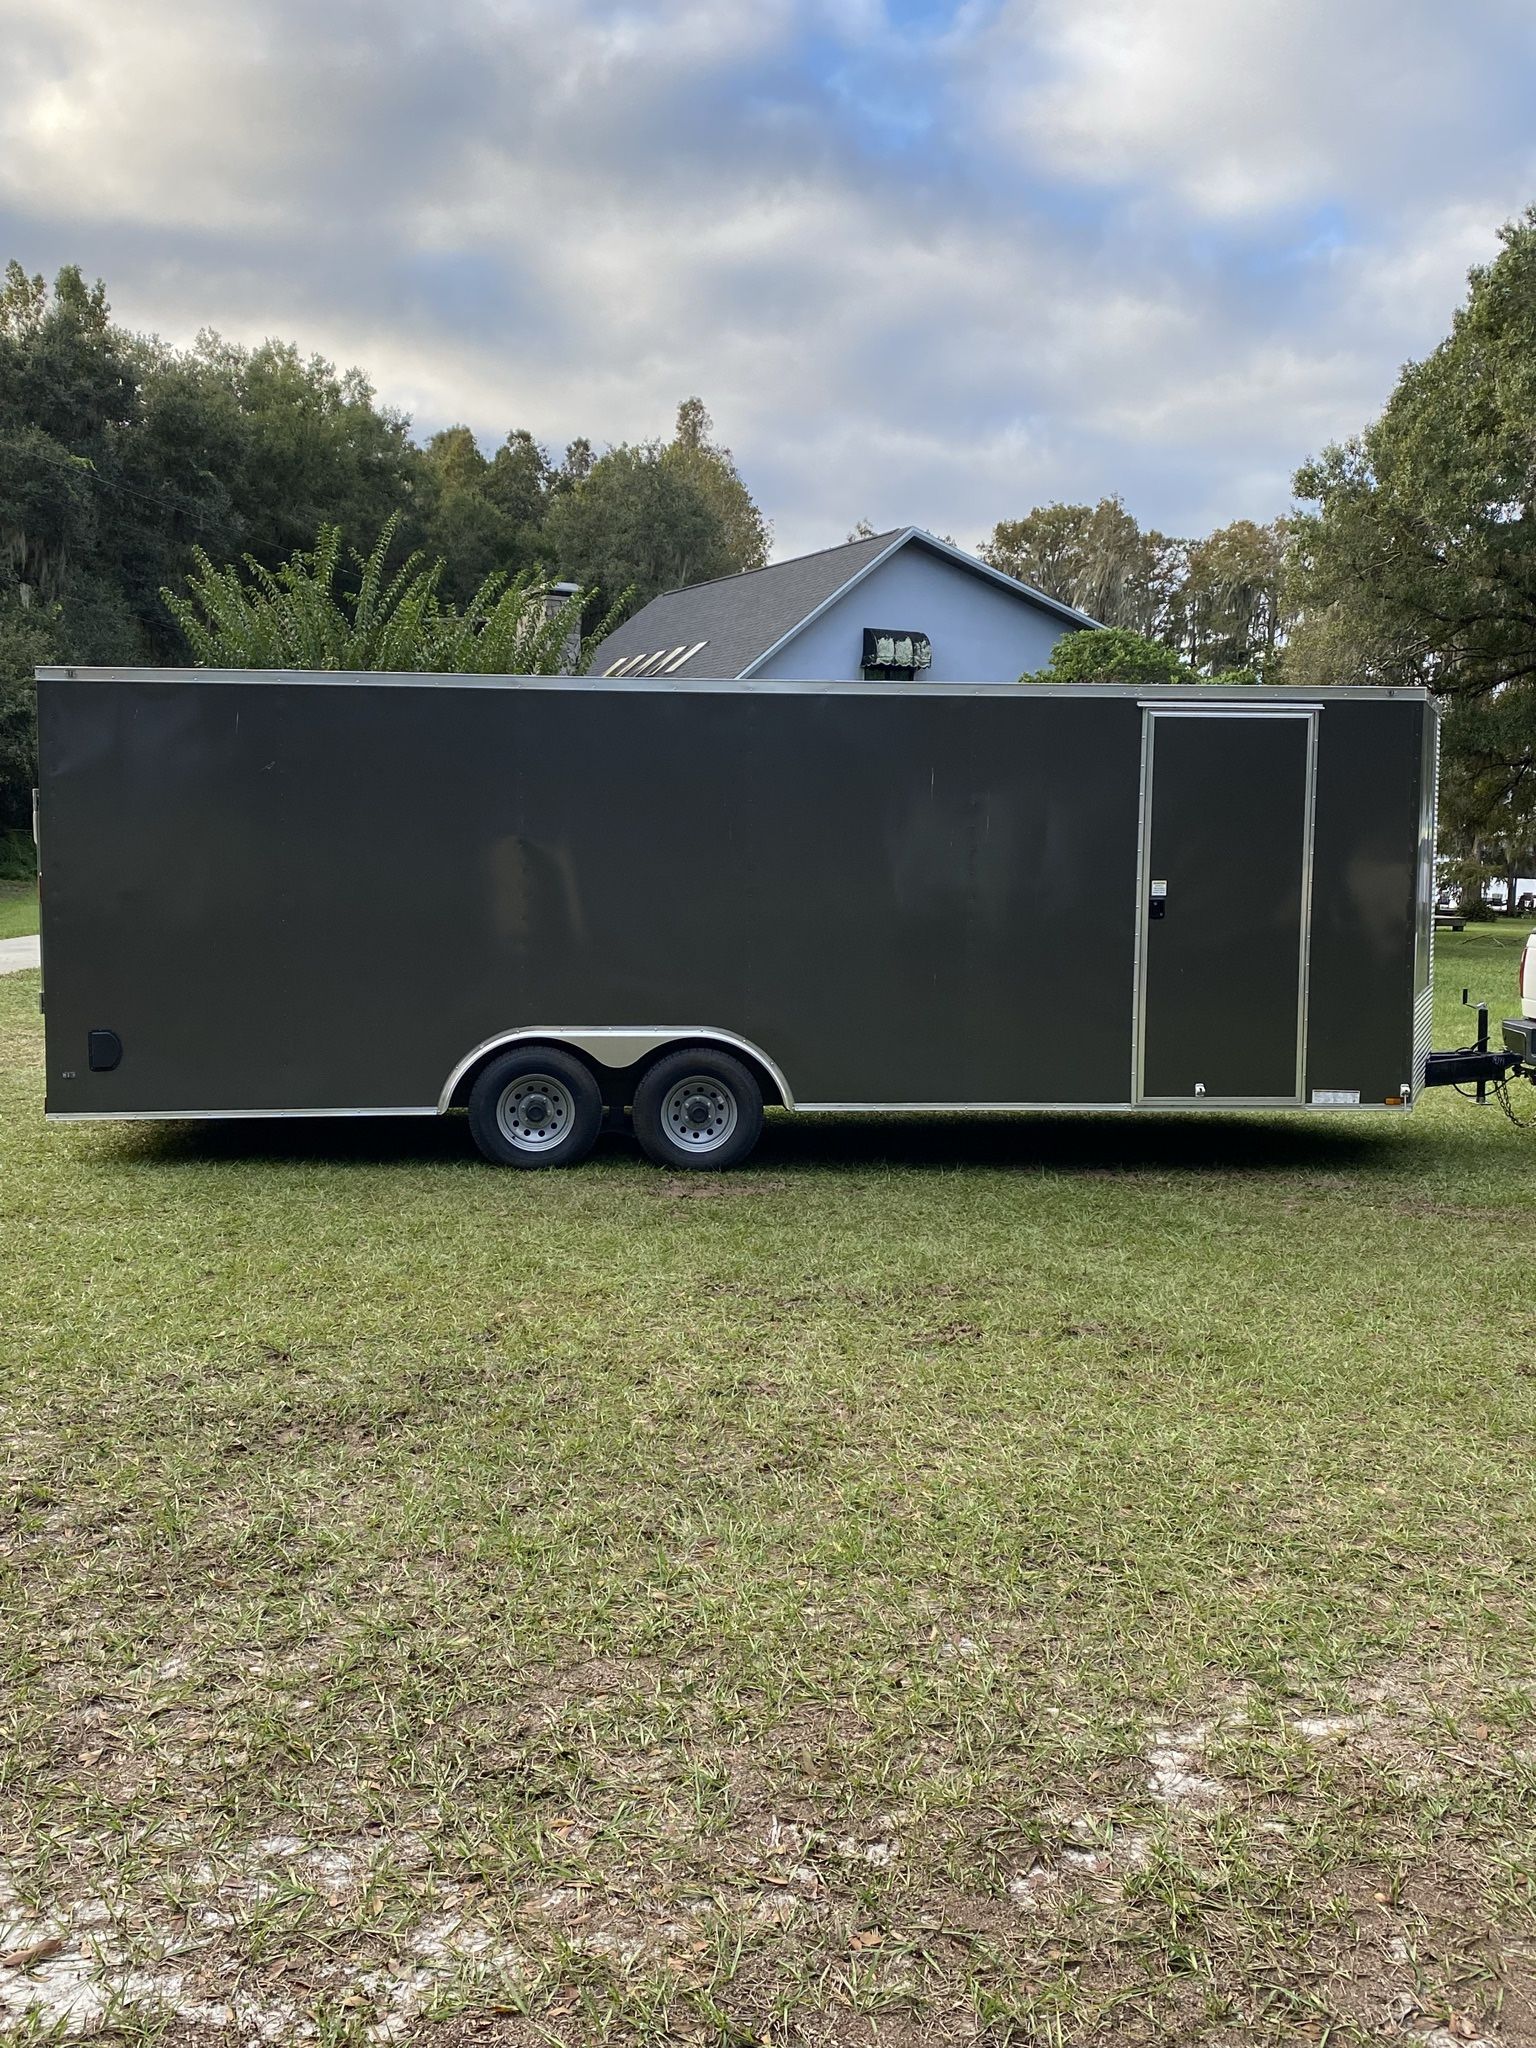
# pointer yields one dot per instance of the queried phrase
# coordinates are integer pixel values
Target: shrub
(1111, 654)
(18, 857)
(296, 617)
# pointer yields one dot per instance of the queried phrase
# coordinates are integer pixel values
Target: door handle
(1157, 902)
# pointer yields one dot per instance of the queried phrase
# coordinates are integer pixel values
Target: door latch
(1157, 905)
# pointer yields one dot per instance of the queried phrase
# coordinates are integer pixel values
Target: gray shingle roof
(738, 618)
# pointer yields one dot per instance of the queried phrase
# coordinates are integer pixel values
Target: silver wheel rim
(534, 1112)
(699, 1113)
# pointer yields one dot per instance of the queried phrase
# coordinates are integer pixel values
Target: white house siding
(981, 633)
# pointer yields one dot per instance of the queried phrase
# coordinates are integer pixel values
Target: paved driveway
(18, 953)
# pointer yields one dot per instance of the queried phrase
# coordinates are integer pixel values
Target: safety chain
(1501, 1090)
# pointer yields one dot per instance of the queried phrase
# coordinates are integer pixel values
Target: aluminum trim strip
(1209, 695)
(1139, 956)
(199, 1116)
(1202, 1102)
(1155, 1108)
(1179, 1106)
(1304, 963)
(1429, 806)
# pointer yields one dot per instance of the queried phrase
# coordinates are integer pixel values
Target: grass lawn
(1035, 1581)
(18, 909)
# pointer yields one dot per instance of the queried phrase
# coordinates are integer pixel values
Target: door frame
(1151, 712)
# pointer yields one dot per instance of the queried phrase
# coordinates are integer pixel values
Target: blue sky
(928, 261)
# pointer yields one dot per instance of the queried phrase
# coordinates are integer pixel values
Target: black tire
(707, 1130)
(553, 1126)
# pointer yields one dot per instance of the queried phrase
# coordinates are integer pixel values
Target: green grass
(18, 909)
(1044, 1580)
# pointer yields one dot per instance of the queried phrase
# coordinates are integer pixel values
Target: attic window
(894, 657)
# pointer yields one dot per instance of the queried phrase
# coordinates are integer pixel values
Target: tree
(307, 444)
(520, 479)
(1094, 557)
(1416, 562)
(576, 466)
(462, 523)
(47, 511)
(636, 521)
(1112, 654)
(1228, 610)
(654, 516)
(302, 615)
(65, 384)
(28, 638)
(713, 472)
(67, 370)
(1423, 541)
(1488, 794)
(118, 455)
(1220, 603)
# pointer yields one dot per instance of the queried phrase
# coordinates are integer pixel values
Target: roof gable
(729, 627)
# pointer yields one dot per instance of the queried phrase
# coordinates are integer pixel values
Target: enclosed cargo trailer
(298, 894)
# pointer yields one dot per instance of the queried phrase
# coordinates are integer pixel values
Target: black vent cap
(103, 1051)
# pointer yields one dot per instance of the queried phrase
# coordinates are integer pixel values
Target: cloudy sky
(928, 261)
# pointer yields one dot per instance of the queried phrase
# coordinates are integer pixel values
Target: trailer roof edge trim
(1141, 693)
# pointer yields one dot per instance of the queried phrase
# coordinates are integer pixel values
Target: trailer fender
(615, 1046)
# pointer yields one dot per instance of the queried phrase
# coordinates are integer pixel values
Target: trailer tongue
(1481, 1066)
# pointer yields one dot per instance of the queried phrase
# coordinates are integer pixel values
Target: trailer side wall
(320, 894)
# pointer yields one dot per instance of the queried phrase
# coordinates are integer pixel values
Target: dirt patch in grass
(1287, 1874)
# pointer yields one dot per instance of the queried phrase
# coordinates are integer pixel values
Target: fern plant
(295, 617)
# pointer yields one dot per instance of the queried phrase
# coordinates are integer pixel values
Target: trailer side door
(1225, 902)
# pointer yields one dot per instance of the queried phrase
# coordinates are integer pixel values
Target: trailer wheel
(698, 1108)
(536, 1106)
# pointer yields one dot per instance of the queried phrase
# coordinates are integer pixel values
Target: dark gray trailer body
(334, 894)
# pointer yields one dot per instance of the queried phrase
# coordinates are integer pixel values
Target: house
(897, 605)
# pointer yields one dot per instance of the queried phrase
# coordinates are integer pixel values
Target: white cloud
(1240, 110)
(182, 117)
(1425, 265)
(1160, 246)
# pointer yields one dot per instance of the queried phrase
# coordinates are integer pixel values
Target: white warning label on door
(1334, 1098)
